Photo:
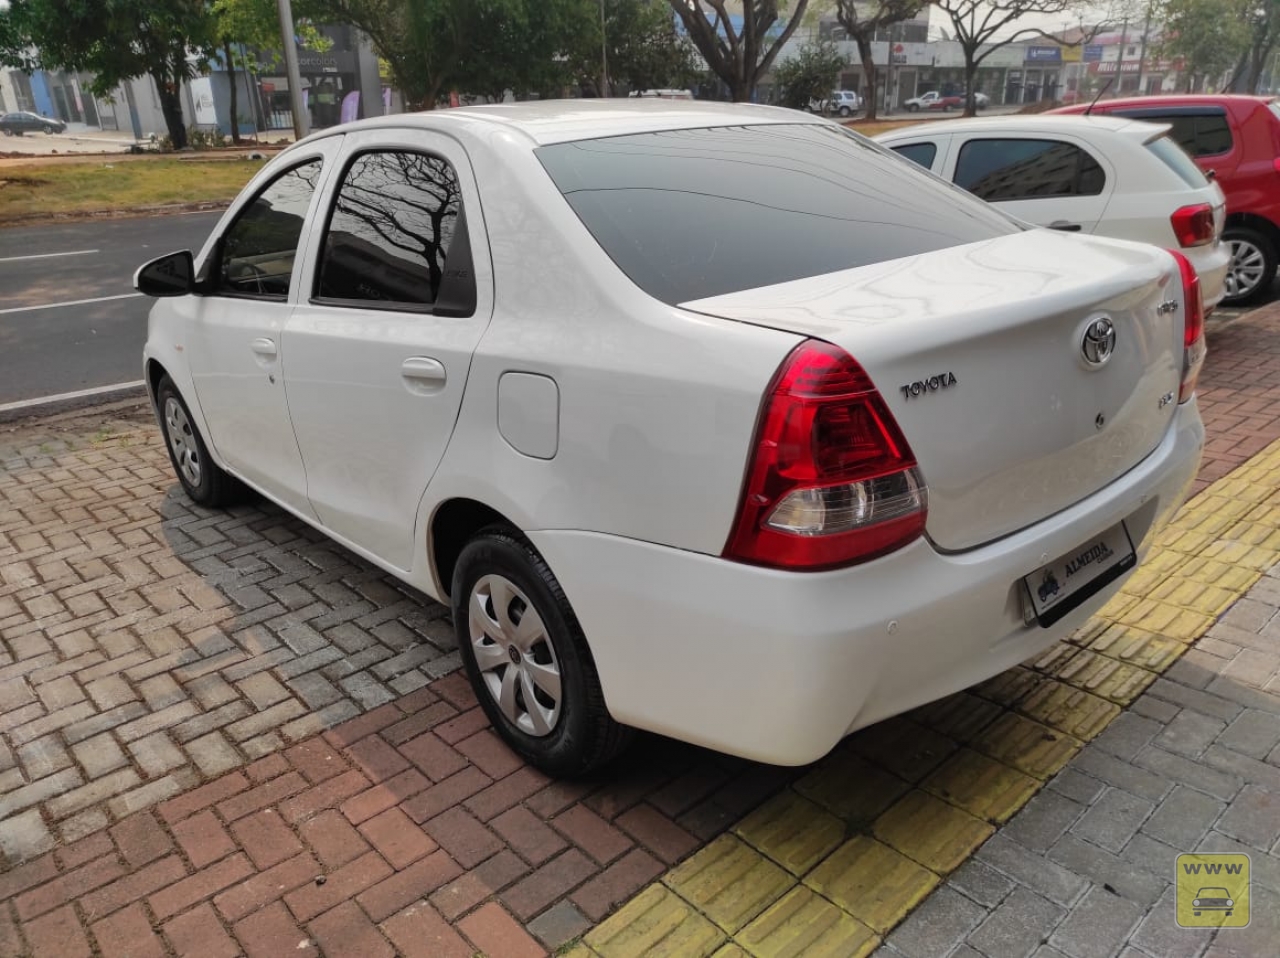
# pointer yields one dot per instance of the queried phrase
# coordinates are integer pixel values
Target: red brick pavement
(412, 830)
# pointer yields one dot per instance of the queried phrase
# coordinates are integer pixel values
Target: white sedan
(1088, 174)
(718, 421)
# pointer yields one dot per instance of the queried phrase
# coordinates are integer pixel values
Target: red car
(1236, 139)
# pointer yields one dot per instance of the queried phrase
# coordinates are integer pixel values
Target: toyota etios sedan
(722, 422)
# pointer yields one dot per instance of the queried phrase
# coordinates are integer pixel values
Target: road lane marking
(78, 252)
(73, 302)
(66, 397)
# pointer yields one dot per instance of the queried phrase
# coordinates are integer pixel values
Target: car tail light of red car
(1193, 345)
(831, 481)
(1193, 225)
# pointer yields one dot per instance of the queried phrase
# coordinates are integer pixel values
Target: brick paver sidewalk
(150, 647)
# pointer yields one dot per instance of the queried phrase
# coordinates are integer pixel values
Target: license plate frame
(1058, 587)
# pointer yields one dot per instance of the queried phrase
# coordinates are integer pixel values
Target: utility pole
(604, 55)
(1142, 51)
(300, 125)
(1124, 39)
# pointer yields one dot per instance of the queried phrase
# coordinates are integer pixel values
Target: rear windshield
(688, 214)
(1175, 157)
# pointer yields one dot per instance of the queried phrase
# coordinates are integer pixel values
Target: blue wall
(41, 95)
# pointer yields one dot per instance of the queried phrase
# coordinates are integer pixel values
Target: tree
(643, 50)
(809, 75)
(1263, 18)
(1209, 36)
(115, 40)
(433, 46)
(976, 24)
(256, 24)
(861, 21)
(739, 55)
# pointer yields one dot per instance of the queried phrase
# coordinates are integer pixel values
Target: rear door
(400, 292)
(1053, 181)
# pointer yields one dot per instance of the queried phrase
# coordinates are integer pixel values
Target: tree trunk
(740, 89)
(171, 107)
(970, 75)
(235, 94)
(868, 74)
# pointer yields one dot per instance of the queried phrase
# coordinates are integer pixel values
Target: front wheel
(204, 482)
(912, 107)
(527, 658)
(1253, 265)
(845, 111)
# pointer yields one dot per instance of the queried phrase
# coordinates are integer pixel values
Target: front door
(236, 349)
(380, 345)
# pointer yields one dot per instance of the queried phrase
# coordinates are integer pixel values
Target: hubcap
(182, 441)
(515, 656)
(1246, 270)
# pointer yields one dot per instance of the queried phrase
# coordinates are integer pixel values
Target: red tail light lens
(1193, 345)
(831, 481)
(1193, 225)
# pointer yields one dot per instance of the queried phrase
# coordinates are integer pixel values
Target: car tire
(1253, 265)
(204, 482)
(845, 111)
(912, 107)
(498, 581)
(946, 108)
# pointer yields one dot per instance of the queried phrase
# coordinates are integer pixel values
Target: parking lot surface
(222, 734)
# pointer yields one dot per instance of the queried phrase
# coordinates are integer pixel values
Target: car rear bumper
(1211, 263)
(778, 666)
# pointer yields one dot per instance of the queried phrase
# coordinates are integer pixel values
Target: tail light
(1193, 225)
(831, 481)
(1193, 347)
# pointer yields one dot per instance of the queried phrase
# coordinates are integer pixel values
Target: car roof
(560, 121)
(1038, 123)
(1170, 99)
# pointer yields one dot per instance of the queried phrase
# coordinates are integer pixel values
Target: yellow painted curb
(876, 825)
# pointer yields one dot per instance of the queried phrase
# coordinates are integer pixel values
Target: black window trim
(1145, 112)
(466, 308)
(1045, 138)
(212, 266)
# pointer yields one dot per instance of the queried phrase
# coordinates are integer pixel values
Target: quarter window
(396, 218)
(257, 252)
(920, 153)
(1027, 169)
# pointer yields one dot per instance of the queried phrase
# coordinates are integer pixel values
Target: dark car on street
(16, 124)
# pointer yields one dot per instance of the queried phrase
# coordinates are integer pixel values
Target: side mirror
(171, 275)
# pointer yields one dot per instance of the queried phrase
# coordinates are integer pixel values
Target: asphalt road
(69, 319)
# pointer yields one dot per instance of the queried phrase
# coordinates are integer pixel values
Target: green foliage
(256, 24)
(1209, 35)
(644, 50)
(115, 40)
(810, 75)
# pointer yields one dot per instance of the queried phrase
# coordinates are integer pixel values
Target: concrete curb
(42, 406)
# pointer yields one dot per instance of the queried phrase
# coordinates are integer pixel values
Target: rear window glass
(919, 153)
(1174, 157)
(1200, 134)
(1027, 169)
(688, 214)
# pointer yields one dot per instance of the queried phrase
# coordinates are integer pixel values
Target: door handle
(423, 369)
(264, 347)
(1065, 226)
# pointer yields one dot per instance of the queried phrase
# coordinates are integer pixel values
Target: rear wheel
(912, 107)
(527, 658)
(845, 111)
(1253, 265)
(203, 481)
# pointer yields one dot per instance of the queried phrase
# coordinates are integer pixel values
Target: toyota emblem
(1099, 341)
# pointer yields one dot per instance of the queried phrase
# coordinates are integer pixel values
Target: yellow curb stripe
(866, 846)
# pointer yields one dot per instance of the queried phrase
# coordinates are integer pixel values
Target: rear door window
(919, 153)
(688, 214)
(1202, 131)
(1018, 169)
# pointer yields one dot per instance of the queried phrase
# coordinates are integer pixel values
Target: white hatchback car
(1101, 175)
(717, 421)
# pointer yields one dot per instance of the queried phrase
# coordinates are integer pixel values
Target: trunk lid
(979, 351)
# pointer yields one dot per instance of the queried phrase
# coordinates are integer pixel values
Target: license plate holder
(1055, 589)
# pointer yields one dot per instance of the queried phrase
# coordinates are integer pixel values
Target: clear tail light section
(1193, 225)
(1193, 345)
(831, 481)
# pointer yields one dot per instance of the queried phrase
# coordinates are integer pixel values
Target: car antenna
(1105, 87)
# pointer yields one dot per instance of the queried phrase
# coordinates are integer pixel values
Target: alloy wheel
(182, 442)
(1248, 266)
(514, 655)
